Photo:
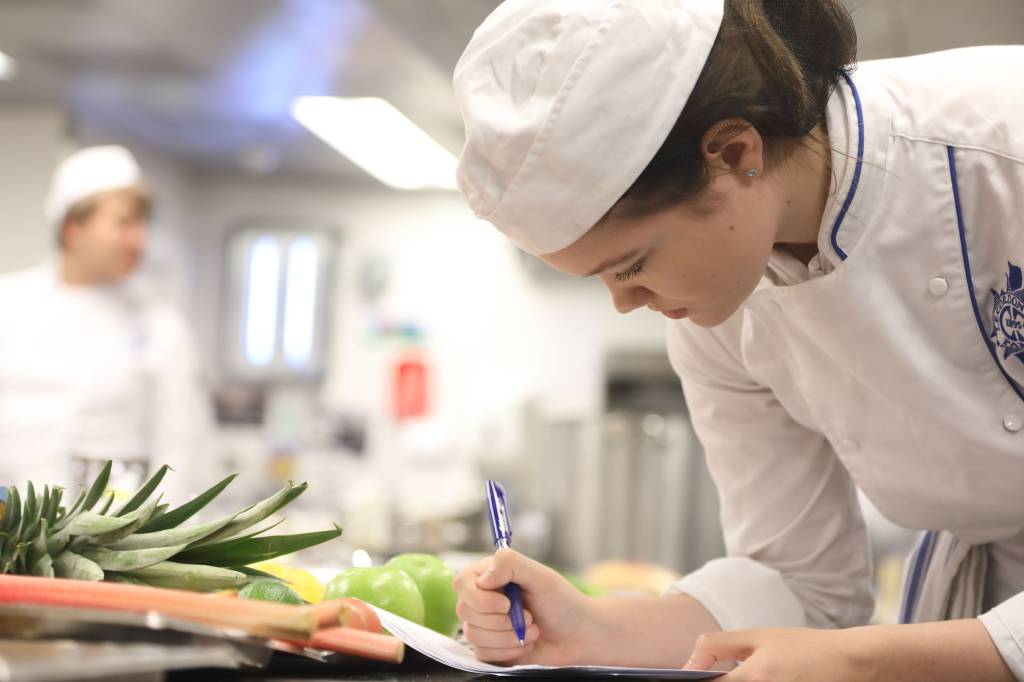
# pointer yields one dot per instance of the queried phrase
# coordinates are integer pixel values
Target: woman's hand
(951, 651)
(559, 625)
(786, 655)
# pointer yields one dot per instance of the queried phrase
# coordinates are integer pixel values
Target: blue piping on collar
(856, 171)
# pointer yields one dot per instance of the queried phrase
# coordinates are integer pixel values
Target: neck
(806, 181)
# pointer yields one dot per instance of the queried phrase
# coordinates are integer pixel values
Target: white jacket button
(849, 445)
(1013, 423)
(938, 286)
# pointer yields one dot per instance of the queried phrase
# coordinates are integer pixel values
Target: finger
(712, 647)
(469, 575)
(491, 639)
(504, 655)
(484, 601)
(510, 566)
(487, 621)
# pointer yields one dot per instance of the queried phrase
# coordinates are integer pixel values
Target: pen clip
(501, 528)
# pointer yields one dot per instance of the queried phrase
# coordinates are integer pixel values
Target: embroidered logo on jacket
(1008, 315)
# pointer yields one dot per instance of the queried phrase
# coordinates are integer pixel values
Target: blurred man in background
(91, 367)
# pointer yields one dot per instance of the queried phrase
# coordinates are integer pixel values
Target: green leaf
(256, 513)
(144, 492)
(122, 578)
(12, 517)
(44, 567)
(31, 504)
(53, 512)
(129, 561)
(171, 536)
(136, 519)
(99, 486)
(89, 524)
(38, 549)
(107, 503)
(176, 517)
(189, 577)
(71, 513)
(246, 551)
(252, 533)
(71, 565)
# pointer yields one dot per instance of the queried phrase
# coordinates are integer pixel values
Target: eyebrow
(627, 258)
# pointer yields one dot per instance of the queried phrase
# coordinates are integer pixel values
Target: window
(277, 302)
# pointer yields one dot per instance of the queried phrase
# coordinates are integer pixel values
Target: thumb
(509, 566)
(713, 647)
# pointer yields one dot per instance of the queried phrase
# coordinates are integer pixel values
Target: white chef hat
(88, 172)
(566, 102)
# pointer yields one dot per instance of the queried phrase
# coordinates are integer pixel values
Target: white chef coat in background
(98, 372)
(890, 363)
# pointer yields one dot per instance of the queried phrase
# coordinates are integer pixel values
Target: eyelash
(631, 273)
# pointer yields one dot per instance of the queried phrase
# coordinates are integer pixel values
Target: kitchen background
(420, 353)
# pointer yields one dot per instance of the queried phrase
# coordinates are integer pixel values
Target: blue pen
(501, 531)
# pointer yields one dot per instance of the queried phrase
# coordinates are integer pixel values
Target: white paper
(455, 655)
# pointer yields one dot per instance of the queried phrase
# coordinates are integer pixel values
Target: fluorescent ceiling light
(379, 139)
(7, 67)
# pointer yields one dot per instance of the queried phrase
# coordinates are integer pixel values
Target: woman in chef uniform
(839, 251)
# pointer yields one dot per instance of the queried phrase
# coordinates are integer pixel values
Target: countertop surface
(284, 667)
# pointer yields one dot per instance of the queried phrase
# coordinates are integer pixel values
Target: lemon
(270, 590)
(302, 581)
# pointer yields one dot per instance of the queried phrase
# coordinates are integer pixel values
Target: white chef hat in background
(565, 103)
(88, 172)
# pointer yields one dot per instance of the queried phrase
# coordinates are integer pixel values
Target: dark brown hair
(774, 64)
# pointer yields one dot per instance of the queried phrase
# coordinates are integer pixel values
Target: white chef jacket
(98, 372)
(894, 362)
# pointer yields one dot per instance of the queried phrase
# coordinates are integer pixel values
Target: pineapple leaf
(107, 504)
(69, 516)
(45, 503)
(254, 533)
(12, 517)
(176, 517)
(71, 565)
(171, 536)
(143, 493)
(99, 486)
(44, 567)
(58, 540)
(189, 576)
(122, 578)
(54, 509)
(30, 502)
(232, 553)
(89, 524)
(129, 561)
(38, 549)
(256, 513)
(135, 518)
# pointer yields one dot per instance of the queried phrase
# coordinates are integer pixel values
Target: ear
(734, 146)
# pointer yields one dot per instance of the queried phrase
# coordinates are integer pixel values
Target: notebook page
(456, 655)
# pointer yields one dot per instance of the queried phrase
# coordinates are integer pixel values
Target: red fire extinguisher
(409, 391)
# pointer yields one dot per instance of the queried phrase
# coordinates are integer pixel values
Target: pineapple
(141, 541)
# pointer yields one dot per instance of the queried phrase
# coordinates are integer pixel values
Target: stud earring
(753, 173)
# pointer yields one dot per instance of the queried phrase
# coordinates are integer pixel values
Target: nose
(628, 297)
